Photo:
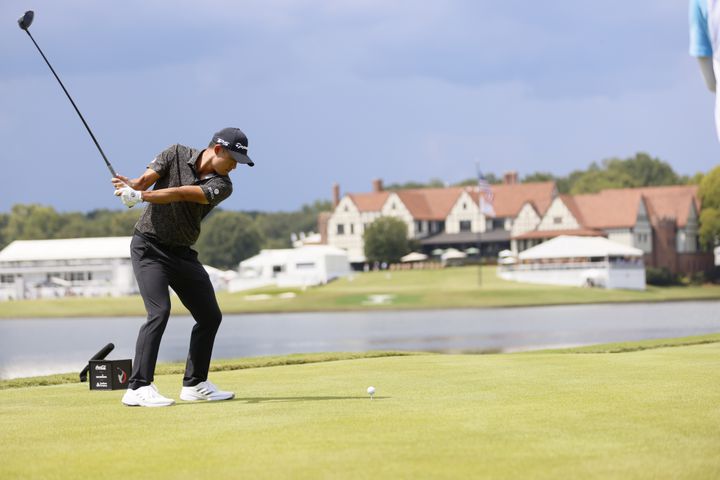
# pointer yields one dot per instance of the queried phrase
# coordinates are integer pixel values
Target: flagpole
(480, 217)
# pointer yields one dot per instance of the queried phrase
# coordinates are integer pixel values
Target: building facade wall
(642, 231)
(526, 221)
(394, 207)
(465, 210)
(687, 237)
(621, 235)
(345, 228)
(558, 217)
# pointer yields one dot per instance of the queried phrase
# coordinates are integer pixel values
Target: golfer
(705, 44)
(188, 184)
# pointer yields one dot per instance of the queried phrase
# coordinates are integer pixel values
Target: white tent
(717, 256)
(579, 261)
(220, 278)
(566, 246)
(292, 267)
(69, 266)
(67, 249)
(414, 257)
(452, 253)
(506, 257)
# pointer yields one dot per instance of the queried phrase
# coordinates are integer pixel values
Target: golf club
(24, 22)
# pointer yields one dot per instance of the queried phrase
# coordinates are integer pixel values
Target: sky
(344, 91)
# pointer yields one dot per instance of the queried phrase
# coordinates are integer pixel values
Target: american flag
(486, 195)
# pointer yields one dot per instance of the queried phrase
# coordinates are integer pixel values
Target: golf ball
(371, 390)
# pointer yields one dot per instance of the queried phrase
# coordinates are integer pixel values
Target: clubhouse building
(660, 221)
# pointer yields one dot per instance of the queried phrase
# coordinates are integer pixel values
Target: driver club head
(26, 20)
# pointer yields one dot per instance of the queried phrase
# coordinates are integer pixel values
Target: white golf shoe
(147, 396)
(204, 391)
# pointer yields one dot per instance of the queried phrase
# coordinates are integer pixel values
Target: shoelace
(152, 392)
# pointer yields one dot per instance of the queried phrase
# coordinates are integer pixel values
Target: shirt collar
(194, 157)
(193, 163)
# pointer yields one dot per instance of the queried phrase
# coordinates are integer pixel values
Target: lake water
(43, 346)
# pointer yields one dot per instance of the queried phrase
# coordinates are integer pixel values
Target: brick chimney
(336, 195)
(322, 225)
(664, 249)
(510, 178)
(377, 185)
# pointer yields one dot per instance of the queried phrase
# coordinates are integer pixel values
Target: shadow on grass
(285, 399)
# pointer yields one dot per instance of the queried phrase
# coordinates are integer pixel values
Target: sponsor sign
(110, 374)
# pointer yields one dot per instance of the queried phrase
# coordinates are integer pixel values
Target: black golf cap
(235, 141)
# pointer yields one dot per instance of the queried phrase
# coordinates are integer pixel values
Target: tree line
(640, 170)
(227, 237)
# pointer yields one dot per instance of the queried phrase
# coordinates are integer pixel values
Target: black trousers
(156, 268)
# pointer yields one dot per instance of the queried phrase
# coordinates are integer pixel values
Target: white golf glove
(129, 197)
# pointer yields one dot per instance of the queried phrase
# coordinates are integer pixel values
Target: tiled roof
(436, 203)
(618, 208)
(509, 199)
(430, 203)
(671, 202)
(369, 202)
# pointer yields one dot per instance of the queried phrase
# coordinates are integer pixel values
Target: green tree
(709, 227)
(4, 218)
(227, 238)
(642, 170)
(694, 180)
(386, 240)
(709, 192)
(32, 222)
(432, 183)
(122, 223)
(276, 227)
(539, 177)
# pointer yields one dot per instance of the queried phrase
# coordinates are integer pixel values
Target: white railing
(523, 267)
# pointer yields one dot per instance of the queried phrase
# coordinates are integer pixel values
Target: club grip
(98, 356)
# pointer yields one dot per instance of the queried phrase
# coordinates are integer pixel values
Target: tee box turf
(110, 374)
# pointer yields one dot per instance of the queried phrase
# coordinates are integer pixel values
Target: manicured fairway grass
(431, 289)
(644, 414)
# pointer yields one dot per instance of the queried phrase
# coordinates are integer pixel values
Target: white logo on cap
(240, 145)
(222, 142)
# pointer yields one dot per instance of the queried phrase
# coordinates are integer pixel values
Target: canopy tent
(506, 257)
(451, 253)
(414, 257)
(579, 247)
